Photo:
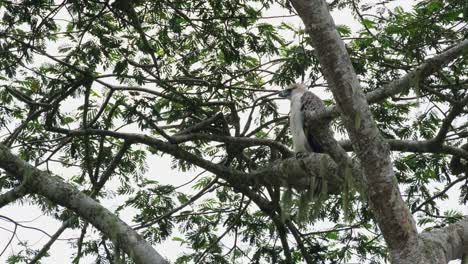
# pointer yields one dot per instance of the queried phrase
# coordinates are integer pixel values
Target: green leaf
(332, 235)
(343, 30)
(368, 23)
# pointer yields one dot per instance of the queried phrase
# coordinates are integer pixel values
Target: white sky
(159, 169)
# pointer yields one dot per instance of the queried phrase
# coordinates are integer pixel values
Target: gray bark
(61, 193)
(445, 244)
(393, 216)
(397, 86)
(12, 195)
(298, 172)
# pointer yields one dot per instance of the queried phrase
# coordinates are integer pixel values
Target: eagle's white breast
(296, 120)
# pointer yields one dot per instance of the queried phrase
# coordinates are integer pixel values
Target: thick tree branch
(240, 141)
(450, 241)
(425, 69)
(416, 146)
(393, 217)
(64, 194)
(95, 191)
(447, 123)
(291, 172)
(12, 195)
(402, 84)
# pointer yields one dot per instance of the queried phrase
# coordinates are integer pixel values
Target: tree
(103, 86)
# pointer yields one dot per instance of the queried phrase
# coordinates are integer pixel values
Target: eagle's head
(291, 90)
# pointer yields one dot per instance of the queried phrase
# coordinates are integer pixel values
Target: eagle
(302, 100)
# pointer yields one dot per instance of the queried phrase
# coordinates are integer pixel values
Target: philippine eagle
(302, 100)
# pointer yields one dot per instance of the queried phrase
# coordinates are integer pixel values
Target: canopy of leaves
(199, 78)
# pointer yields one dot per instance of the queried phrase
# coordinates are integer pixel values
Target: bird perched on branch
(306, 137)
(302, 100)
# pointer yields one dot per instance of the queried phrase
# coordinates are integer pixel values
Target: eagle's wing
(311, 102)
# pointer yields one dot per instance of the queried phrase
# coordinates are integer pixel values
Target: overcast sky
(159, 169)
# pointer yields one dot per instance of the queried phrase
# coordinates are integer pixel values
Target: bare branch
(432, 198)
(51, 241)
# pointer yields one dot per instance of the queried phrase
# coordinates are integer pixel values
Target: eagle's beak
(284, 93)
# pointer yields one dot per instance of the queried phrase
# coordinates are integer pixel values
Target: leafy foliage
(162, 68)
